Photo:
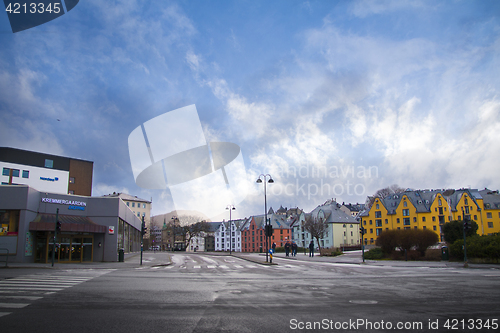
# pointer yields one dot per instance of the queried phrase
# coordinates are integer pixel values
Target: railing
(6, 255)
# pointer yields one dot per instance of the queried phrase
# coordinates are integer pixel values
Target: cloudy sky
(334, 99)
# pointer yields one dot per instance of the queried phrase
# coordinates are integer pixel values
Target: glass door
(76, 249)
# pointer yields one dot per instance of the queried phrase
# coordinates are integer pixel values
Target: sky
(333, 99)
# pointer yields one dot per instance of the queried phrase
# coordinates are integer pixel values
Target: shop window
(26, 174)
(9, 222)
(49, 163)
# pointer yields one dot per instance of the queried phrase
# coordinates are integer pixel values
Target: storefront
(91, 228)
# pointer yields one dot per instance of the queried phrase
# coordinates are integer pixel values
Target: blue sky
(367, 93)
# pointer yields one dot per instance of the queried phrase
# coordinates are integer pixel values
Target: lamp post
(230, 208)
(174, 228)
(259, 180)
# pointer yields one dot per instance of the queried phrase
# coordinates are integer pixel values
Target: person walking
(287, 248)
(311, 249)
(274, 247)
(294, 249)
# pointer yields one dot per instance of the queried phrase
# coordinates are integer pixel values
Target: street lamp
(174, 229)
(230, 208)
(259, 180)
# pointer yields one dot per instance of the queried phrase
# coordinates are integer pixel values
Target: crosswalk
(21, 291)
(220, 266)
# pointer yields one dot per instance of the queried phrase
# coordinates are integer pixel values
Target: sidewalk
(132, 260)
(355, 257)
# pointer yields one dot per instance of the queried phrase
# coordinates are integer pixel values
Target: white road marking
(13, 305)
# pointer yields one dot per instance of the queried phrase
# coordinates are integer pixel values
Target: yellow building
(431, 209)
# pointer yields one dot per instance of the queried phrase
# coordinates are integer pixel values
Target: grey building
(92, 228)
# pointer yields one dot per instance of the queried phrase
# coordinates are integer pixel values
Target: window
(414, 219)
(439, 202)
(71, 192)
(377, 206)
(378, 214)
(386, 221)
(26, 174)
(405, 204)
(397, 220)
(371, 222)
(406, 212)
(49, 163)
(15, 173)
(5, 172)
(378, 223)
(475, 217)
(143, 205)
(133, 204)
(144, 214)
(71, 180)
(488, 215)
(490, 224)
(434, 228)
(406, 221)
(423, 218)
(434, 219)
(379, 230)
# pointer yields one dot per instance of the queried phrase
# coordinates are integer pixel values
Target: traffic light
(467, 222)
(58, 226)
(268, 230)
(143, 228)
(362, 231)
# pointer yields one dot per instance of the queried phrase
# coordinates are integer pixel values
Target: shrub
(375, 253)
(388, 241)
(424, 239)
(484, 247)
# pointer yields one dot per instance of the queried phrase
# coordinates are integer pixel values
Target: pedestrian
(294, 249)
(311, 249)
(287, 248)
(274, 247)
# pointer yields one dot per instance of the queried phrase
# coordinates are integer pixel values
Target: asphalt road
(202, 293)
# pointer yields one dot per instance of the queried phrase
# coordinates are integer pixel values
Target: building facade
(142, 209)
(228, 235)
(45, 172)
(431, 209)
(253, 237)
(92, 228)
(342, 229)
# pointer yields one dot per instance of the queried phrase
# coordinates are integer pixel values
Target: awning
(69, 223)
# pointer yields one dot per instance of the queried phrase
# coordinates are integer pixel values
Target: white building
(228, 236)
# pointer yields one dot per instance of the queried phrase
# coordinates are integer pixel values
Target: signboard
(28, 249)
(111, 230)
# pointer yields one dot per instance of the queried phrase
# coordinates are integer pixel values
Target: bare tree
(194, 230)
(317, 229)
(382, 193)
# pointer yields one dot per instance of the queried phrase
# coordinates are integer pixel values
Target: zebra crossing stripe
(13, 305)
